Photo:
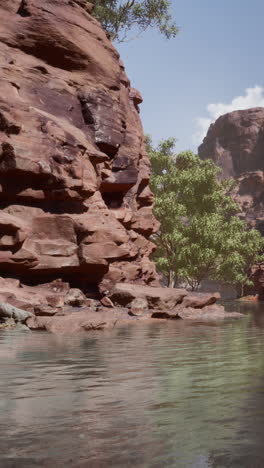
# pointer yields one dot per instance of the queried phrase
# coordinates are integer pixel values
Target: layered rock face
(74, 195)
(236, 143)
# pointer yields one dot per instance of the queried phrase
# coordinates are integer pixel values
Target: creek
(172, 394)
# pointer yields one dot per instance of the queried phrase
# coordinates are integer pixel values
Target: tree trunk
(171, 279)
(195, 285)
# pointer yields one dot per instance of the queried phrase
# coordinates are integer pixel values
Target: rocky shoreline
(57, 308)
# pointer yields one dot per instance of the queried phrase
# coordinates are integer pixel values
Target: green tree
(119, 17)
(201, 236)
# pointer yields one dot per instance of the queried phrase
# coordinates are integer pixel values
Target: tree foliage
(119, 17)
(201, 236)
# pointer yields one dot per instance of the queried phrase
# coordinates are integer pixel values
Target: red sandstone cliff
(74, 195)
(236, 143)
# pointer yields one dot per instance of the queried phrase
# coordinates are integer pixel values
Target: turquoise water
(171, 394)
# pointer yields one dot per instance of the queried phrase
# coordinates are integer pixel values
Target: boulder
(55, 301)
(138, 307)
(207, 313)
(78, 322)
(156, 298)
(45, 310)
(204, 313)
(10, 312)
(75, 297)
(200, 300)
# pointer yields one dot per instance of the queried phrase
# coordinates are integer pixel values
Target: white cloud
(253, 97)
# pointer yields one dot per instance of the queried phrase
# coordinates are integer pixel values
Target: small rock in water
(138, 307)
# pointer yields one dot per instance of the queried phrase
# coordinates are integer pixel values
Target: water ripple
(174, 395)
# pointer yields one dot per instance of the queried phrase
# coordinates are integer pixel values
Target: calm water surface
(164, 395)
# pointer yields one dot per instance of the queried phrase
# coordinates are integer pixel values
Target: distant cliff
(236, 143)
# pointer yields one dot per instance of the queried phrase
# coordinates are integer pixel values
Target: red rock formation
(74, 195)
(236, 143)
(140, 303)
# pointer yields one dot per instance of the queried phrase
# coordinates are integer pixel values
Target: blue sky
(216, 60)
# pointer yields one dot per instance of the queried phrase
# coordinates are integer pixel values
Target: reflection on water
(172, 394)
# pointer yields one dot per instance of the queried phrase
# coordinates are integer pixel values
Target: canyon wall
(235, 142)
(75, 201)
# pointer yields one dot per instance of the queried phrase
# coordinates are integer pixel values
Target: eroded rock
(10, 312)
(155, 298)
(207, 313)
(235, 142)
(200, 300)
(74, 173)
(75, 297)
(138, 307)
(78, 322)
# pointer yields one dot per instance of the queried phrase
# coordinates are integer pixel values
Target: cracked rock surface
(75, 201)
